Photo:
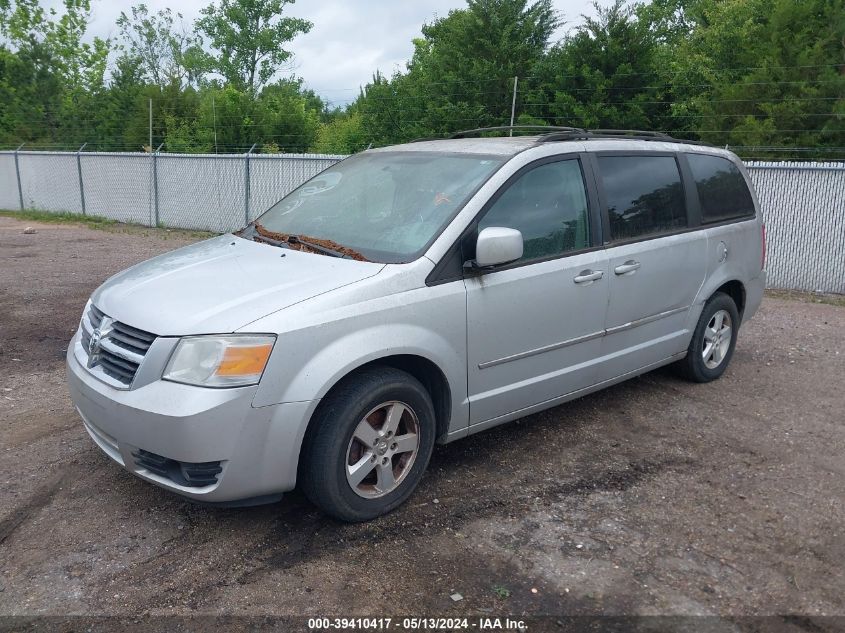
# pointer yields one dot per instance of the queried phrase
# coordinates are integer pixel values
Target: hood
(220, 285)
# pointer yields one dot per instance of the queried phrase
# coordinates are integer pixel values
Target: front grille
(131, 338)
(193, 475)
(121, 349)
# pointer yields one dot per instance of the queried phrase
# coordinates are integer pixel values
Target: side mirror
(497, 245)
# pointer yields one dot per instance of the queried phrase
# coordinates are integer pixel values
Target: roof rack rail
(633, 133)
(512, 128)
(599, 134)
(573, 135)
(550, 134)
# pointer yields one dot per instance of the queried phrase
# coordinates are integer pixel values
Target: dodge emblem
(94, 343)
(97, 336)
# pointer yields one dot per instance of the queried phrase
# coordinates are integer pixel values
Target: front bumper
(258, 448)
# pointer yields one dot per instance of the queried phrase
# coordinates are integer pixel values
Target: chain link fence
(803, 203)
(209, 192)
(804, 210)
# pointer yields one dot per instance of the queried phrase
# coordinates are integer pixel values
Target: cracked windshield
(380, 206)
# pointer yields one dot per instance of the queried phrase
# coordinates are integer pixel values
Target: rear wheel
(369, 444)
(713, 340)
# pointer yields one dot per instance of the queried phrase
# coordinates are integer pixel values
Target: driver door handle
(588, 276)
(628, 267)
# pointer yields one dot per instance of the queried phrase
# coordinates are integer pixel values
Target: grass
(101, 223)
(808, 297)
(47, 217)
(501, 592)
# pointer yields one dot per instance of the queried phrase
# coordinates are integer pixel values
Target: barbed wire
(50, 123)
(454, 124)
(141, 103)
(700, 71)
(94, 146)
(270, 119)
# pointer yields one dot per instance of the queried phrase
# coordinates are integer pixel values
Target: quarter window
(548, 205)
(722, 190)
(644, 195)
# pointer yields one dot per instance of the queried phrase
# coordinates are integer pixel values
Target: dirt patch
(37, 500)
(41, 304)
(656, 496)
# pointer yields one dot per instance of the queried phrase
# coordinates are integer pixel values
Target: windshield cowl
(309, 244)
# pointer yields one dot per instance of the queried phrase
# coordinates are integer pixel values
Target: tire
(702, 364)
(352, 427)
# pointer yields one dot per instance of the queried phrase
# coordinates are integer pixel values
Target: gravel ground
(653, 497)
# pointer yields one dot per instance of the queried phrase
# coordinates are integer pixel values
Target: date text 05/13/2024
(417, 624)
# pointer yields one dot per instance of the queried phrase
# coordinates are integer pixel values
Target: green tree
(82, 64)
(167, 53)
(602, 75)
(461, 73)
(56, 72)
(30, 96)
(22, 21)
(288, 116)
(248, 39)
(392, 110)
(763, 73)
(27, 25)
(123, 106)
(342, 135)
(760, 75)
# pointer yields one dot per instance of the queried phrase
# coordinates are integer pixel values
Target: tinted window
(644, 195)
(721, 188)
(549, 206)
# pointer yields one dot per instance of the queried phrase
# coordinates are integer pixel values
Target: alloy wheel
(717, 339)
(382, 450)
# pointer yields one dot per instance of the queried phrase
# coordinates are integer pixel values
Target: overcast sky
(350, 40)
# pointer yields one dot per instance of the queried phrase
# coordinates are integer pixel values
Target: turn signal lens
(244, 361)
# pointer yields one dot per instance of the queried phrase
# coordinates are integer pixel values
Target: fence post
(18, 173)
(246, 184)
(79, 171)
(155, 182)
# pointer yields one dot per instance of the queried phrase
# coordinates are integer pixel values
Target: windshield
(380, 206)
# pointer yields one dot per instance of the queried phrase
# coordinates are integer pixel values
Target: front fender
(426, 322)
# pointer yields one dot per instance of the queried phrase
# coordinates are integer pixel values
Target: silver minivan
(411, 295)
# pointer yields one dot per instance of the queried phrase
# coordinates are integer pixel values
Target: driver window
(548, 205)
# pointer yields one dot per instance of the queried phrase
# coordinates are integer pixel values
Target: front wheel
(713, 340)
(369, 444)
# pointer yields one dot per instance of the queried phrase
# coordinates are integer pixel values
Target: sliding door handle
(588, 276)
(628, 267)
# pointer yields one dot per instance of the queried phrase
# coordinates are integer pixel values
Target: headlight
(219, 361)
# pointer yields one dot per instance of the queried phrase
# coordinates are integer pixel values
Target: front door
(534, 327)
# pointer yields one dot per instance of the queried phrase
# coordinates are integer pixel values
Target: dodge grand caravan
(416, 294)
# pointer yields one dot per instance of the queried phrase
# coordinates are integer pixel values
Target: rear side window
(722, 190)
(548, 205)
(644, 195)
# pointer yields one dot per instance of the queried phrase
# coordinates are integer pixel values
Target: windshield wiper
(257, 237)
(295, 239)
(305, 242)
